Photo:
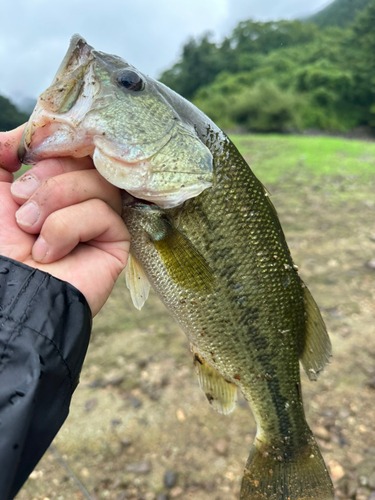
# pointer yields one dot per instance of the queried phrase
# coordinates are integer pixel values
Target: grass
(272, 156)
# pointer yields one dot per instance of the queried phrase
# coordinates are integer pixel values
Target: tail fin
(272, 474)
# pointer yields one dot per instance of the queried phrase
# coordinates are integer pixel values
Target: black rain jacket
(45, 326)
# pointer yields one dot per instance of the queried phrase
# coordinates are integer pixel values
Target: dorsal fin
(136, 281)
(317, 350)
(221, 395)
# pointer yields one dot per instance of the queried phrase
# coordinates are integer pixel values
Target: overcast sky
(34, 34)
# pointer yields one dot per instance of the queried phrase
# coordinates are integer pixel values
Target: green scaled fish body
(215, 254)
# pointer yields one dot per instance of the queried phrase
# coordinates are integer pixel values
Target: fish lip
(33, 156)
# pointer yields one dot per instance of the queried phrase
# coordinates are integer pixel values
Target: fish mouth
(61, 108)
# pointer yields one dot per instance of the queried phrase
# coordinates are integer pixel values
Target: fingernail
(28, 214)
(40, 249)
(25, 186)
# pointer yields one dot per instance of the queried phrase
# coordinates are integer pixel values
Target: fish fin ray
(183, 262)
(221, 395)
(317, 349)
(137, 282)
(280, 474)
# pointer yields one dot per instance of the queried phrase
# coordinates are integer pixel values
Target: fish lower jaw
(138, 179)
(46, 137)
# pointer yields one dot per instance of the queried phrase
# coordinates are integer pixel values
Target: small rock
(162, 496)
(135, 402)
(180, 415)
(115, 422)
(125, 442)
(372, 496)
(175, 492)
(142, 363)
(97, 383)
(222, 447)
(344, 414)
(139, 468)
(363, 481)
(170, 478)
(322, 433)
(85, 472)
(91, 404)
(355, 458)
(337, 472)
(371, 264)
(115, 381)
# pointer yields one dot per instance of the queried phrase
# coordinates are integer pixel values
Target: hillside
(339, 13)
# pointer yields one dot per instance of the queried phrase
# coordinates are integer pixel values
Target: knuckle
(56, 225)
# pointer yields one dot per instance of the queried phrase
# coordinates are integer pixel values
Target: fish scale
(206, 236)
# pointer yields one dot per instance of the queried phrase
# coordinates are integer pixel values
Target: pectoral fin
(136, 281)
(221, 395)
(184, 264)
(317, 350)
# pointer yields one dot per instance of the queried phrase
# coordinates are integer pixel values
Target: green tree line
(10, 116)
(285, 75)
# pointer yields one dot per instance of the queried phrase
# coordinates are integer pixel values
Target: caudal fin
(271, 473)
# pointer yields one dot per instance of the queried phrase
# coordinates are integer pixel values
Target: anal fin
(221, 395)
(137, 282)
(317, 350)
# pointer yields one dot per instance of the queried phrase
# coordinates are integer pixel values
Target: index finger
(9, 142)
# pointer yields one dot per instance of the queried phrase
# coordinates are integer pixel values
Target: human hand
(76, 235)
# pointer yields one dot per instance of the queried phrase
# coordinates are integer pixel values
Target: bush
(266, 108)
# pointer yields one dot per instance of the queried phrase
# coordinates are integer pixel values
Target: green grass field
(273, 156)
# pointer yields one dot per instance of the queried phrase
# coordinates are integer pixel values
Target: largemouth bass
(206, 236)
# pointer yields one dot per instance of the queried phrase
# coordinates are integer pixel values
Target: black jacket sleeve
(45, 326)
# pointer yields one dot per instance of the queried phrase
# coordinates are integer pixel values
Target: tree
(339, 13)
(199, 65)
(10, 117)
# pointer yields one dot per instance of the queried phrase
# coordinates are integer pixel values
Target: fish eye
(130, 80)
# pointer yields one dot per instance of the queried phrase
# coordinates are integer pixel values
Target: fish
(206, 236)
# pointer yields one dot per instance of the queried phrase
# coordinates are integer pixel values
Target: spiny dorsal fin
(184, 264)
(136, 281)
(317, 350)
(221, 395)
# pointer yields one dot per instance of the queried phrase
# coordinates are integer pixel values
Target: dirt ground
(141, 429)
